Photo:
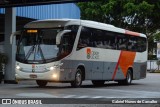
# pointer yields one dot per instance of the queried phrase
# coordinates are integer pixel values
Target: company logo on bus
(33, 67)
(92, 54)
(88, 53)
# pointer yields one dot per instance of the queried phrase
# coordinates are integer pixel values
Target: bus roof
(52, 23)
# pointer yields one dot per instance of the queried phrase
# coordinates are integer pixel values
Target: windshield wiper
(41, 53)
(29, 52)
(39, 48)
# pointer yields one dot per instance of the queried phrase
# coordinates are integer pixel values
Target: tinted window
(109, 40)
(122, 42)
(74, 28)
(97, 38)
(141, 44)
(137, 44)
(85, 38)
(132, 43)
(91, 37)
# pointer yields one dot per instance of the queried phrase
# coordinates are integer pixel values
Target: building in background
(30, 13)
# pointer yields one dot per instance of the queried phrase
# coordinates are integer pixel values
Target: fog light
(54, 75)
(18, 67)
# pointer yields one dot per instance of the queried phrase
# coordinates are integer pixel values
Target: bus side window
(84, 39)
(122, 42)
(68, 42)
(141, 42)
(66, 45)
(137, 44)
(109, 40)
(132, 44)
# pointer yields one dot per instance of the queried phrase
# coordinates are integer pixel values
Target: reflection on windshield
(41, 49)
(39, 46)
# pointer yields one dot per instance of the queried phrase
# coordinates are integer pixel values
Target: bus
(74, 50)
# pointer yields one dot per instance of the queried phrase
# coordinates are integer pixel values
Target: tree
(131, 14)
(137, 15)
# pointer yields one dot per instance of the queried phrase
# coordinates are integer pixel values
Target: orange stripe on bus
(126, 60)
(115, 71)
(132, 33)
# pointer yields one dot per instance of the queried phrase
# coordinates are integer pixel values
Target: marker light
(32, 31)
(18, 67)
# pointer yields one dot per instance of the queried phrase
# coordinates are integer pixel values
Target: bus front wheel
(41, 83)
(78, 79)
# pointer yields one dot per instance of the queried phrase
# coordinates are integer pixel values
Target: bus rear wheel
(78, 79)
(127, 80)
(41, 83)
(98, 82)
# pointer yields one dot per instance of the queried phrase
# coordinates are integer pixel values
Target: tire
(78, 79)
(127, 80)
(41, 83)
(98, 83)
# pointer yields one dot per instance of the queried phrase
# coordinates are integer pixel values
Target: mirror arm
(12, 35)
(60, 34)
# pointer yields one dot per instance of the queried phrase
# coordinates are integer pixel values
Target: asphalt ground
(63, 95)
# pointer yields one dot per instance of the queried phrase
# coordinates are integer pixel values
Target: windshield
(39, 46)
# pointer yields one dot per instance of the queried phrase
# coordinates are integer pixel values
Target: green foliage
(151, 44)
(157, 37)
(137, 15)
(152, 57)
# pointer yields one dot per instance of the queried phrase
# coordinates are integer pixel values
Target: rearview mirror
(60, 34)
(13, 35)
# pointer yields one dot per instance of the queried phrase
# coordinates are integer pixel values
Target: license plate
(33, 76)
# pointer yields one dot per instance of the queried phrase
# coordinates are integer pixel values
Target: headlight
(52, 68)
(18, 67)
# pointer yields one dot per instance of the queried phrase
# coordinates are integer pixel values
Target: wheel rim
(78, 78)
(129, 78)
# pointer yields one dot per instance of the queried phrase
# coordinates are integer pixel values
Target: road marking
(36, 95)
(69, 96)
(128, 93)
(119, 94)
(98, 97)
(83, 97)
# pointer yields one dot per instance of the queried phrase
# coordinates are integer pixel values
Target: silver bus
(72, 50)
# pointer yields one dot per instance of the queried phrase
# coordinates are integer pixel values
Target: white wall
(152, 65)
